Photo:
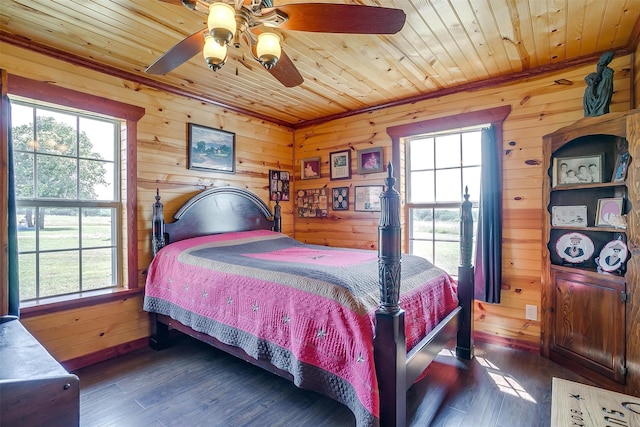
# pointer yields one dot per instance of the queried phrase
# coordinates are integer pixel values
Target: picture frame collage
(313, 203)
(279, 185)
(366, 198)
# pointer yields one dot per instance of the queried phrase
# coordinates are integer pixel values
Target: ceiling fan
(231, 21)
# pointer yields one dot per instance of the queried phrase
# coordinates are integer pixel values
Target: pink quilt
(308, 309)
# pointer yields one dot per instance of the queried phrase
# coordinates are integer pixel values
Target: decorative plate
(613, 255)
(574, 247)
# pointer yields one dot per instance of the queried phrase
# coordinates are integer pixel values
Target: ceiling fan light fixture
(221, 22)
(214, 54)
(268, 49)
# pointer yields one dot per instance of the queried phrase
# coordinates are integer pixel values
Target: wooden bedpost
(464, 346)
(277, 218)
(390, 342)
(157, 232)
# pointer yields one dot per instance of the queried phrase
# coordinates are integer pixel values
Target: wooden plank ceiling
(443, 46)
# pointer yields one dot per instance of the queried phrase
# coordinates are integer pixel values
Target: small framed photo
(340, 198)
(340, 164)
(368, 198)
(620, 170)
(370, 160)
(577, 170)
(569, 216)
(310, 168)
(211, 149)
(609, 213)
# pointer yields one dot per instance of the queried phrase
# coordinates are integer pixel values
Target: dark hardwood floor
(192, 384)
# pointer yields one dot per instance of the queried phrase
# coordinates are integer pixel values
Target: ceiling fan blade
(286, 72)
(342, 18)
(178, 54)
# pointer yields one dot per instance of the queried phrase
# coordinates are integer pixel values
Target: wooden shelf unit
(590, 318)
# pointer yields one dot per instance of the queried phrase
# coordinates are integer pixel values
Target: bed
(359, 326)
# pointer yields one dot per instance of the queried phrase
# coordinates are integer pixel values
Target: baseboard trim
(506, 342)
(105, 354)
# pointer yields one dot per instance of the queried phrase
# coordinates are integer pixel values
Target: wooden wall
(538, 106)
(636, 77)
(162, 163)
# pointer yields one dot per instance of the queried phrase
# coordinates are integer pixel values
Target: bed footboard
(395, 369)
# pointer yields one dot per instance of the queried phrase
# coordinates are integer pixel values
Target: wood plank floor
(191, 384)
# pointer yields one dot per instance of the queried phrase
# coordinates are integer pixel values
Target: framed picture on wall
(310, 168)
(340, 198)
(340, 164)
(279, 185)
(212, 150)
(368, 198)
(370, 160)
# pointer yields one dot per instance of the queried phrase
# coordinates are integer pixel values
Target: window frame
(130, 115)
(435, 205)
(494, 116)
(37, 203)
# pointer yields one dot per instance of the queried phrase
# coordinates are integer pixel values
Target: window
(67, 172)
(432, 204)
(438, 168)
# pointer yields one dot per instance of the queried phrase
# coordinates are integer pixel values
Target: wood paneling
(443, 46)
(633, 267)
(538, 106)
(162, 163)
(73, 333)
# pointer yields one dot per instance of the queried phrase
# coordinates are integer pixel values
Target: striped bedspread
(307, 309)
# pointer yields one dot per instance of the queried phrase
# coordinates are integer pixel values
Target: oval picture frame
(574, 247)
(613, 255)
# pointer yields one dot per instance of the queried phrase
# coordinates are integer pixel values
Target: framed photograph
(620, 170)
(312, 203)
(612, 255)
(340, 164)
(279, 185)
(211, 149)
(609, 213)
(310, 168)
(574, 248)
(370, 160)
(340, 198)
(569, 216)
(577, 170)
(368, 198)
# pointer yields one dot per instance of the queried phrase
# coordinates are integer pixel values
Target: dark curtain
(488, 263)
(14, 296)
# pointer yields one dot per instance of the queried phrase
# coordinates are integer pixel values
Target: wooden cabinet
(591, 249)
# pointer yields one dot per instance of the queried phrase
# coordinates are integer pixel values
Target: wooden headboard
(221, 210)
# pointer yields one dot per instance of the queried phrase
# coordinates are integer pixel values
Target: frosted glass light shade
(214, 54)
(221, 22)
(268, 49)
